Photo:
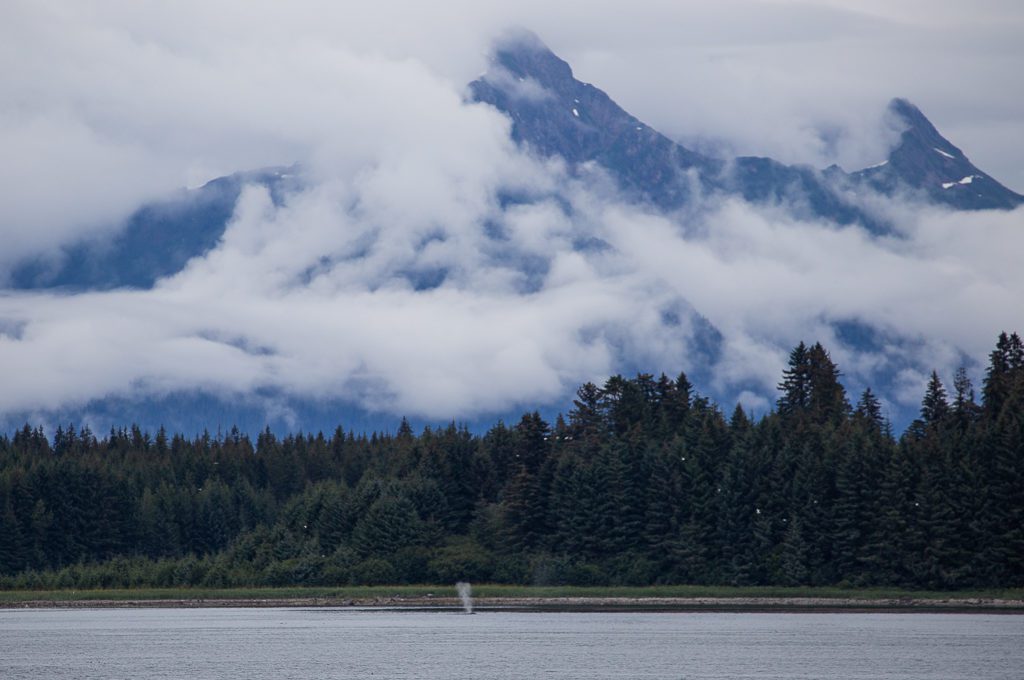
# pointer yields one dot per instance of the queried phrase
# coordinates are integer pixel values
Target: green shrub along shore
(645, 483)
(396, 594)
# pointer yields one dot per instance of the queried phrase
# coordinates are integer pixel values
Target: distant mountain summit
(926, 161)
(554, 114)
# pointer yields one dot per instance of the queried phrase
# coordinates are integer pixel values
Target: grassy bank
(395, 594)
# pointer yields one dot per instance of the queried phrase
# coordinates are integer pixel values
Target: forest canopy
(645, 481)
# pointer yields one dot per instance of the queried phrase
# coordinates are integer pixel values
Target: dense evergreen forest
(644, 482)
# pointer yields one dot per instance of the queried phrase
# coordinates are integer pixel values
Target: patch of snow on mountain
(966, 180)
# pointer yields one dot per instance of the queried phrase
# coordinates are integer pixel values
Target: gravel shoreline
(666, 604)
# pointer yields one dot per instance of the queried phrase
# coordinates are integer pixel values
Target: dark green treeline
(645, 482)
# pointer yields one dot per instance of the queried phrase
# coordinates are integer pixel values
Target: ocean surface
(346, 643)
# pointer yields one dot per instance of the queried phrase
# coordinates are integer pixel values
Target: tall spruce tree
(935, 405)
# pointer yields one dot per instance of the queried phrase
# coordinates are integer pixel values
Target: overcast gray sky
(106, 104)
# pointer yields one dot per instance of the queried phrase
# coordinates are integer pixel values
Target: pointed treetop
(869, 408)
(935, 406)
(810, 387)
(739, 420)
(1005, 374)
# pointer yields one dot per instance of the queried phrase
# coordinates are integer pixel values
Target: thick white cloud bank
(107, 104)
(313, 299)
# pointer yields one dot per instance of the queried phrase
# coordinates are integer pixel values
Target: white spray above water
(466, 595)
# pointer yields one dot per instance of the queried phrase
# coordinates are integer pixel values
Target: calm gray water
(342, 643)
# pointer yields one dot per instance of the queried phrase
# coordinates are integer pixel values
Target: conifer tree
(1005, 373)
(793, 555)
(827, 396)
(869, 410)
(935, 406)
(524, 512)
(965, 409)
(796, 383)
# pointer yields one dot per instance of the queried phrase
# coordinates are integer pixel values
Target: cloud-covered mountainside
(486, 251)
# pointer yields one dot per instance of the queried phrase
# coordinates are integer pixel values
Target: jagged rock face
(556, 115)
(810, 193)
(926, 161)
